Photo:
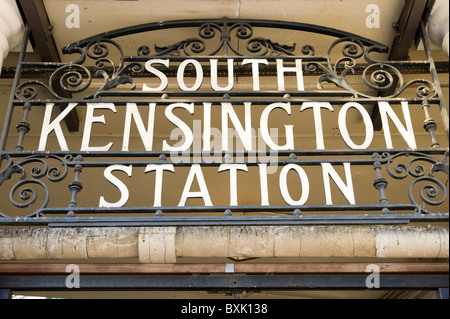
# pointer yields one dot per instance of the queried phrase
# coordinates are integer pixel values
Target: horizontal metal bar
(404, 63)
(216, 220)
(220, 268)
(188, 163)
(39, 69)
(196, 94)
(132, 222)
(137, 221)
(206, 223)
(304, 58)
(258, 102)
(223, 281)
(192, 23)
(210, 209)
(298, 152)
(204, 58)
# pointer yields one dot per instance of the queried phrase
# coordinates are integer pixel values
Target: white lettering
(304, 182)
(346, 189)
(367, 122)
(407, 133)
(244, 134)
(215, 86)
(316, 106)
(263, 184)
(233, 179)
(48, 127)
(297, 69)
(207, 126)
(198, 78)
(124, 193)
(90, 119)
(196, 171)
(189, 137)
(162, 77)
(264, 121)
(255, 70)
(159, 168)
(146, 135)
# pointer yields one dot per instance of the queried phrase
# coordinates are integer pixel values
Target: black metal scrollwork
(377, 76)
(243, 31)
(432, 188)
(74, 77)
(24, 189)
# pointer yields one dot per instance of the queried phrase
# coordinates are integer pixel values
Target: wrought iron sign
(220, 97)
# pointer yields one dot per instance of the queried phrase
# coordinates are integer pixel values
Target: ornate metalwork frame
(76, 78)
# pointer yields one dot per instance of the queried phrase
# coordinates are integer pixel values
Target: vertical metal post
(75, 186)
(380, 183)
(23, 127)
(429, 124)
(434, 77)
(406, 26)
(10, 108)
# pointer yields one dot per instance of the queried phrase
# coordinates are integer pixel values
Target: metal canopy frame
(35, 16)
(407, 27)
(224, 278)
(228, 282)
(75, 77)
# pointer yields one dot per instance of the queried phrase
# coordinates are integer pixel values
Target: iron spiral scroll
(25, 188)
(433, 191)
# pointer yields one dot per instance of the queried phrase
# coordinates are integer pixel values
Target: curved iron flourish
(275, 24)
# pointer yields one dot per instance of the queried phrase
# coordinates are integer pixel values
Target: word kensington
(181, 117)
